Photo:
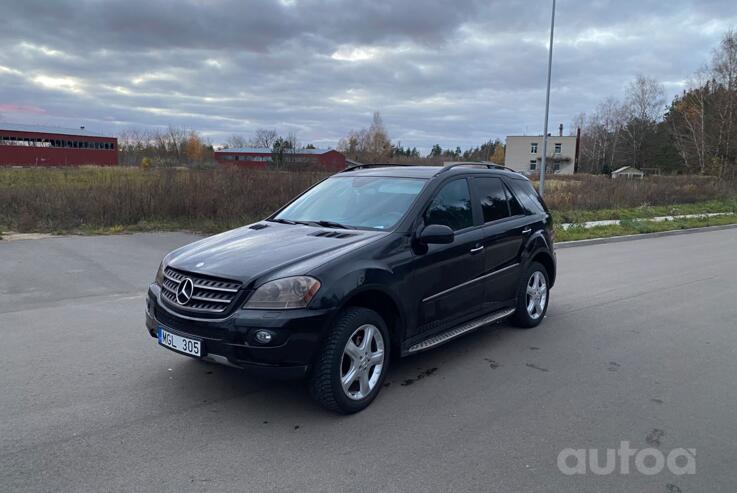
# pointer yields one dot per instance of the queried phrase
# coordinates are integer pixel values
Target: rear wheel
(350, 370)
(532, 297)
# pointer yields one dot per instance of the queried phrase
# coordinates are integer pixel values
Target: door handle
(477, 249)
(527, 230)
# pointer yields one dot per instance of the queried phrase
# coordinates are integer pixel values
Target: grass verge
(644, 212)
(635, 227)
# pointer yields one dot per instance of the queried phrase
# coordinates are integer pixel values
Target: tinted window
(528, 197)
(515, 209)
(493, 198)
(451, 206)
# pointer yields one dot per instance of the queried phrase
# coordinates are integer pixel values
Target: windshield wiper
(282, 221)
(293, 221)
(326, 224)
(331, 224)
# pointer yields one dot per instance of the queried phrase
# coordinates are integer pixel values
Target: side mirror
(436, 234)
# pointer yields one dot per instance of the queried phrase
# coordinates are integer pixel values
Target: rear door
(538, 215)
(445, 278)
(504, 230)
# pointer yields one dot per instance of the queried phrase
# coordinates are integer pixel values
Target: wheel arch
(378, 300)
(546, 259)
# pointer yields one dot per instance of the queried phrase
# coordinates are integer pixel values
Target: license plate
(179, 343)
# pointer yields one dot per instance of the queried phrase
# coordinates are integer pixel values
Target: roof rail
(474, 163)
(371, 165)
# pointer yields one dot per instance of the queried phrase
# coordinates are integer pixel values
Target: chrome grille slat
(213, 300)
(209, 295)
(170, 277)
(213, 288)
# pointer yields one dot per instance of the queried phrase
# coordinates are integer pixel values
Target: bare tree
(644, 104)
(614, 118)
(688, 121)
(264, 138)
(379, 145)
(371, 145)
(177, 138)
(352, 144)
(236, 141)
(134, 144)
(724, 73)
(601, 135)
(645, 98)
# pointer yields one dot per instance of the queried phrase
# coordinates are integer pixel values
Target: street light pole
(547, 105)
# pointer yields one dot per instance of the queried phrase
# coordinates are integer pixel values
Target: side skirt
(458, 331)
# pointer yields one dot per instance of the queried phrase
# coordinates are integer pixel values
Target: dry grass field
(91, 199)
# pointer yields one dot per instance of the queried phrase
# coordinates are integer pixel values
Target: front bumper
(231, 341)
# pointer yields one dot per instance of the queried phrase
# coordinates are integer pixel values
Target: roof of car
(426, 172)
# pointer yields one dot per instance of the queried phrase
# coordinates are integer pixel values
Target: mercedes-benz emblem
(185, 291)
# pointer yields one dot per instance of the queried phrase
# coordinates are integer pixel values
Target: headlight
(281, 294)
(160, 275)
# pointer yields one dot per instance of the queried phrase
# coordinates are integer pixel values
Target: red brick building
(256, 158)
(32, 145)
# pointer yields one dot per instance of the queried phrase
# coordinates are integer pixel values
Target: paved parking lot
(640, 345)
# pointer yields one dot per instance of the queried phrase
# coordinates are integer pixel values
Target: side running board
(458, 331)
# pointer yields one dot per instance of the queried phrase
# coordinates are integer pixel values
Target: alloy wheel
(537, 295)
(362, 362)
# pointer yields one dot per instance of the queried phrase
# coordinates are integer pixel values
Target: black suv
(368, 265)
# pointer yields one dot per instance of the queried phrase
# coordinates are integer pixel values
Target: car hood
(277, 250)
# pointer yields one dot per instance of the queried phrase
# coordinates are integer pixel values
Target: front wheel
(532, 297)
(350, 370)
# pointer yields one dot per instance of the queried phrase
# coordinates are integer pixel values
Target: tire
(529, 314)
(360, 364)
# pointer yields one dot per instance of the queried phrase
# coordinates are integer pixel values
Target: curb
(643, 236)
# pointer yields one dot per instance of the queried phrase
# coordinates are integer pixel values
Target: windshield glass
(373, 202)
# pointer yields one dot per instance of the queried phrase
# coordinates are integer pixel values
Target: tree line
(695, 134)
(179, 146)
(373, 145)
(174, 146)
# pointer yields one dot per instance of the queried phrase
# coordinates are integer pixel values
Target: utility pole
(547, 106)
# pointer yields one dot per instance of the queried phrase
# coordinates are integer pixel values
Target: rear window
(527, 196)
(493, 196)
(515, 208)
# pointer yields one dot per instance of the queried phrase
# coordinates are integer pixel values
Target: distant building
(34, 145)
(259, 158)
(524, 153)
(628, 172)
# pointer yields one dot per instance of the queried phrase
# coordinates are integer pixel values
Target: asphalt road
(639, 345)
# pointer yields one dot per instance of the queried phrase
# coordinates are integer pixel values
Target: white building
(524, 153)
(627, 172)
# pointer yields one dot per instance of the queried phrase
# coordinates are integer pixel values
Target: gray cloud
(455, 73)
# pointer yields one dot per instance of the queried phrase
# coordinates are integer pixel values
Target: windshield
(373, 202)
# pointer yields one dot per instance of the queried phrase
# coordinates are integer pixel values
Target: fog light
(264, 336)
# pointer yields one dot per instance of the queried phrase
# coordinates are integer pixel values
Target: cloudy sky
(449, 72)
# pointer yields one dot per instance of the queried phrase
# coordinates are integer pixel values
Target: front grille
(210, 295)
(206, 330)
